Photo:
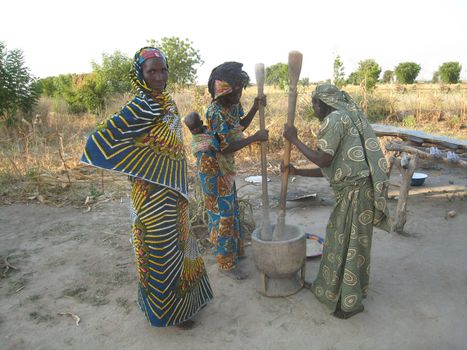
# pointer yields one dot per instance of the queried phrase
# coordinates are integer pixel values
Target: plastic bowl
(418, 179)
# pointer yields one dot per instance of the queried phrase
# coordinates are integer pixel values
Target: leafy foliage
(89, 92)
(182, 58)
(304, 82)
(112, 76)
(277, 75)
(388, 76)
(353, 79)
(18, 88)
(407, 72)
(338, 76)
(366, 75)
(449, 72)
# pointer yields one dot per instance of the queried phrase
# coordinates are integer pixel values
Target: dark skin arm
(311, 172)
(246, 121)
(261, 135)
(320, 158)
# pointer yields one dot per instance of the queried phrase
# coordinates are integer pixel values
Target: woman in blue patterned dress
(144, 140)
(225, 124)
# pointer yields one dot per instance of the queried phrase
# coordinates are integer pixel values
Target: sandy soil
(68, 260)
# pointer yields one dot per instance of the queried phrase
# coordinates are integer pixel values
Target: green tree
(47, 86)
(449, 72)
(182, 58)
(407, 72)
(388, 76)
(19, 90)
(304, 82)
(277, 75)
(435, 78)
(90, 94)
(338, 76)
(353, 79)
(368, 73)
(112, 76)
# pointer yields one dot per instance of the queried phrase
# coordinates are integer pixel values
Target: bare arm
(238, 145)
(320, 158)
(246, 121)
(311, 172)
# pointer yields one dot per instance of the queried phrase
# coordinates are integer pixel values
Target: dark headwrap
(225, 77)
(136, 72)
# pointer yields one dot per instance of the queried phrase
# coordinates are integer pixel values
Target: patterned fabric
(144, 140)
(221, 88)
(173, 284)
(203, 143)
(345, 263)
(347, 135)
(358, 177)
(220, 195)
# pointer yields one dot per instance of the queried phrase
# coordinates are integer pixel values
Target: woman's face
(155, 73)
(233, 98)
(319, 108)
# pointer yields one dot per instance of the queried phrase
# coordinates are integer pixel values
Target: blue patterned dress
(220, 194)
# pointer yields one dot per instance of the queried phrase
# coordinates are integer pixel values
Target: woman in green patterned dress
(350, 157)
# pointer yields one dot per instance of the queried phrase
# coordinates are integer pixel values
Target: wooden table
(415, 145)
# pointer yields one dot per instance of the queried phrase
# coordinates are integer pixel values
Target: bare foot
(188, 324)
(236, 273)
(346, 314)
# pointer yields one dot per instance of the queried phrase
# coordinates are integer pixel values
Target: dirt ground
(69, 260)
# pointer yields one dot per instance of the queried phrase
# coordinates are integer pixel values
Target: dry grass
(40, 160)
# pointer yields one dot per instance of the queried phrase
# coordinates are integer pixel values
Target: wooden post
(407, 166)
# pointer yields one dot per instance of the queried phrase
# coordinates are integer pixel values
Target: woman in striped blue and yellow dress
(144, 140)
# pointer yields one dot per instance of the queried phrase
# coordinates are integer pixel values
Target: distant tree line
(368, 74)
(20, 90)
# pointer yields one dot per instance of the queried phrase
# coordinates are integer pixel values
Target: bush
(277, 75)
(407, 72)
(449, 72)
(19, 90)
(367, 74)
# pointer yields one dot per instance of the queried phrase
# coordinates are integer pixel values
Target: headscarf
(342, 101)
(225, 78)
(136, 72)
(144, 139)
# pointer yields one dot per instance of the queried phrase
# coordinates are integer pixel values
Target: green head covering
(342, 101)
(334, 97)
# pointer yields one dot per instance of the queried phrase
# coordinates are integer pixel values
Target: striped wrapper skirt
(173, 284)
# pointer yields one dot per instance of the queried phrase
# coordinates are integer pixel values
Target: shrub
(449, 72)
(407, 72)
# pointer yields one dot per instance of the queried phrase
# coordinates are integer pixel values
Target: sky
(59, 37)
